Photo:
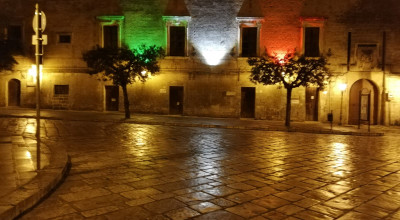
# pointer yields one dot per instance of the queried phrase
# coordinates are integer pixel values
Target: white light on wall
(342, 86)
(212, 56)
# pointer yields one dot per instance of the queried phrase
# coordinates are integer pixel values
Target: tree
(7, 61)
(124, 66)
(292, 71)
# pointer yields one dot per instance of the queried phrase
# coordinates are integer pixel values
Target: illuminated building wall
(213, 73)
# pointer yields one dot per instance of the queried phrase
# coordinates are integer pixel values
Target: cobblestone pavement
(130, 171)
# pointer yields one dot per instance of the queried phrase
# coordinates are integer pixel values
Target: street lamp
(342, 88)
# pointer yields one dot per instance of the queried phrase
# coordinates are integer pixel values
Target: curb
(283, 129)
(27, 196)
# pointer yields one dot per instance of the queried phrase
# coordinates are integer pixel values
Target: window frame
(112, 20)
(64, 34)
(55, 93)
(312, 22)
(248, 22)
(176, 21)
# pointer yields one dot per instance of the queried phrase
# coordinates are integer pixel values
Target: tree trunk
(288, 106)
(126, 102)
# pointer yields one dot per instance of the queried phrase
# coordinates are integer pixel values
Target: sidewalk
(192, 121)
(21, 185)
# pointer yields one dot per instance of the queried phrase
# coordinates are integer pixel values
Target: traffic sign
(35, 21)
(44, 39)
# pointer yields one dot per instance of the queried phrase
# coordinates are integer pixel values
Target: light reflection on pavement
(163, 172)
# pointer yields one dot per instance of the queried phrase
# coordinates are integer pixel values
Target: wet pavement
(21, 184)
(138, 171)
(206, 122)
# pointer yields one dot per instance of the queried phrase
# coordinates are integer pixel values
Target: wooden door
(112, 98)
(312, 96)
(248, 102)
(176, 100)
(14, 92)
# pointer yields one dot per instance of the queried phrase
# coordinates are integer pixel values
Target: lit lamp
(33, 76)
(342, 87)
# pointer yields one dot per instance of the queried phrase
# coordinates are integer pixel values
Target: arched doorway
(14, 92)
(354, 101)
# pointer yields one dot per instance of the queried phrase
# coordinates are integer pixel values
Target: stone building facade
(205, 72)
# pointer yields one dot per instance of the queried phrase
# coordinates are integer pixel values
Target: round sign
(35, 21)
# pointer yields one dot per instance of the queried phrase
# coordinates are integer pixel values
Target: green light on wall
(143, 29)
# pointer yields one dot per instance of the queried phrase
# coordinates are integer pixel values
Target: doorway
(312, 99)
(354, 101)
(248, 102)
(176, 100)
(112, 98)
(14, 92)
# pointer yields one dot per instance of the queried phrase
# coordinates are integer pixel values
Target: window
(249, 36)
(249, 41)
(110, 36)
(311, 42)
(312, 35)
(177, 29)
(111, 30)
(64, 38)
(177, 41)
(14, 37)
(61, 89)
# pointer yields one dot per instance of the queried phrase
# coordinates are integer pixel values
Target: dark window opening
(61, 89)
(311, 42)
(177, 41)
(110, 36)
(249, 42)
(64, 38)
(14, 38)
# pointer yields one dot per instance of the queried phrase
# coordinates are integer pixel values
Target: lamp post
(342, 88)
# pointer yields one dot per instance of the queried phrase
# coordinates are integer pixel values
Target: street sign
(35, 21)
(44, 39)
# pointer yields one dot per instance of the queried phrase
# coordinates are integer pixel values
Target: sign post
(39, 24)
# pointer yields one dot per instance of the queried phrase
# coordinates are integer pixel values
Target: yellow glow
(139, 140)
(30, 128)
(342, 86)
(32, 73)
(393, 87)
(339, 154)
(325, 92)
(28, 155)
(143, 73)
(280, 56)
